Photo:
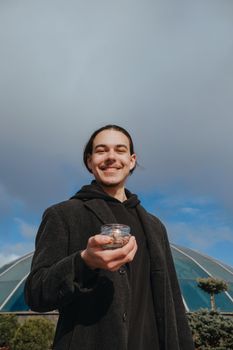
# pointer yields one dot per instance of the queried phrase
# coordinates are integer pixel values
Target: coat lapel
(100, 208)
(154, 236)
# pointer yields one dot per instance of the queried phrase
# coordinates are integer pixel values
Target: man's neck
(116, 192)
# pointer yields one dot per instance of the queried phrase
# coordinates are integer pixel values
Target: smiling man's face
(111, 161)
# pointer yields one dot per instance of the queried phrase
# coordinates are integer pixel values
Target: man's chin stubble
(109, 185)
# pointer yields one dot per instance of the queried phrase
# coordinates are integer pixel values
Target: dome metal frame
(189, 265)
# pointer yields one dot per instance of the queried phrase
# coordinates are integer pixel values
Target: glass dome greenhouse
(189, 266)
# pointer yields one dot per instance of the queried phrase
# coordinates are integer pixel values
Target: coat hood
(95, 191)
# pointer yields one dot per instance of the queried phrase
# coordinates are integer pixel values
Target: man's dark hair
(89, 146)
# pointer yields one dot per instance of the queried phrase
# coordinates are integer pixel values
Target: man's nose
(111, 154)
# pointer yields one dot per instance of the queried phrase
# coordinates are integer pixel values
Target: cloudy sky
(161, 69)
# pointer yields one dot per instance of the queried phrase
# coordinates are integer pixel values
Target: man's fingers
(98, 240)
(115, 265)
(130, 256)
(113, 259)
(121, 253)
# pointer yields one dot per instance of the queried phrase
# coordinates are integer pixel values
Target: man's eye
(100, 151)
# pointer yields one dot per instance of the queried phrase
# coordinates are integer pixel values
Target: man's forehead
(111, 138)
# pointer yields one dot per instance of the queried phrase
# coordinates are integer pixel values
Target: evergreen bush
(34, 334)
(8, 326)
(211, 330)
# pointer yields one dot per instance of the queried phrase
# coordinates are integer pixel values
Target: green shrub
(8, 326)
(34, 334)
(211, 330)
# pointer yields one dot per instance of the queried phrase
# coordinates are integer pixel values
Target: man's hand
(110, 259)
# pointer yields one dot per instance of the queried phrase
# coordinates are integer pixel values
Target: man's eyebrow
(121, 145)
(104, 145)
(118, 145)
(100, 145)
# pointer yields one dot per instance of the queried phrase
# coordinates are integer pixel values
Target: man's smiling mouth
(110, 168)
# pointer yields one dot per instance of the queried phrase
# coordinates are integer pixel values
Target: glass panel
(185, 267)
(188, 271)
(17, 302)
(12, 277)
(18, 271)
(6, 288)
(197, 298)
(228, 267)
(5, 267)
(212, 266)
(230, 289)
(194, 297)
(223, 303)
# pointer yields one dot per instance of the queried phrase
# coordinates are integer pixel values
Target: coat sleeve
(183, 331)
(56, 278)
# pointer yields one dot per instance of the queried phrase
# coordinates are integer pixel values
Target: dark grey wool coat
(93, 305)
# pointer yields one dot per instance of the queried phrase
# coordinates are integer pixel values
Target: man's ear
(133, 161)
(89, 163)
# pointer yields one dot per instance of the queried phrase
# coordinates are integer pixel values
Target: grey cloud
(161, 69)
(27, 230)
(37, 180)
(6, 201)
(201, 237)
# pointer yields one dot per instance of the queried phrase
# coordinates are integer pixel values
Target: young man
(122, 299)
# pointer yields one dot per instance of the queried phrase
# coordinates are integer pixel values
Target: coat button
(122, 271)
(124, 316)
(61, 293)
